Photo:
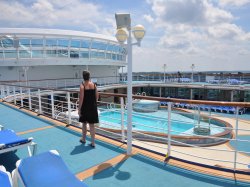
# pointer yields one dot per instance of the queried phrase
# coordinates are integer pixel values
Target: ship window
(114, 56)
(10, 53)
(108, 56)
(110, 47)
(85, 44)
(37, 53)
(51, 42)
(51, 53)
(7, 43)
(98, 45)
(63, 43)
(24, 42)
(84, 54)
(37, 43)
(74, 54)
(75, 43)
(24, 54)
(62, 53)
(1, 54)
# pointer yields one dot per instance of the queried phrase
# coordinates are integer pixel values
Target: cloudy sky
(212, 34)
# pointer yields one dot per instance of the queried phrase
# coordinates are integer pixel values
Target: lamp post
(192, 67)
(164, 67)
(123, 23)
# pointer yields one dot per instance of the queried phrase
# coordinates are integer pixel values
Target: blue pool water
(154, 122)
(145, 123)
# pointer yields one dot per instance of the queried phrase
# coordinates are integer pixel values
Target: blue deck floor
(135, 171)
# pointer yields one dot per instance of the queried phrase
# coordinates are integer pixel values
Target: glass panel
(85, 43)
(37, 53)
(116, 48)
(63, 43)
(74, 54)
(24, 42)
(99, 45)
(108, 56)
(51, 42)
(84, 54)
(101, 55)
(37, 42)
(94, 54)
(75, 43)
(62, 53)
(114, 56)
(110, 47)
(50, 53)
(7, 43)
(1, 54)
(10, 53)
(24, 54)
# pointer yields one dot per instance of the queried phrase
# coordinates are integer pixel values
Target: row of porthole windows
(60, 43)
(62, 53)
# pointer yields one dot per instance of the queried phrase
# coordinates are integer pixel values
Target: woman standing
(87, 109)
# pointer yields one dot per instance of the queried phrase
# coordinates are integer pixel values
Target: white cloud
(233, 2)
(44, 13)
(148, 18)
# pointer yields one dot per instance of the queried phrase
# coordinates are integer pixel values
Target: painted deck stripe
(35, 130)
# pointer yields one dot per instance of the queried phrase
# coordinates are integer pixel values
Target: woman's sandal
(83, 142)
(91, 145)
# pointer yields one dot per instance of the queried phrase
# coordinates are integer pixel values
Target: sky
(214, 35)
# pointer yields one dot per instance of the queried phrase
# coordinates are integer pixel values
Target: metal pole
(30, 106)
(69, 108)
(164, 72)
(236, 136)
(169, 128)
(122, 119)
(14, 92)
(21, 96)
(40, 102)
(129, 94)
(52, 104)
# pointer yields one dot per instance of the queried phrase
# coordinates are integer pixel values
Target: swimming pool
(155, 122)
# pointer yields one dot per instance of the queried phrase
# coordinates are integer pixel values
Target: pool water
(154, 122)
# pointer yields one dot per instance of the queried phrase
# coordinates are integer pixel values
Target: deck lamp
(123, 34)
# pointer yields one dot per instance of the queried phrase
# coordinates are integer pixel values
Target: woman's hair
(86, 75)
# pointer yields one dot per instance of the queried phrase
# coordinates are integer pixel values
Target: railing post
(40, 102)
(30, 106)
(2, 91)
(69, 108)
(169, 128)
(236, 136)
(14, 92)
(52, 104)
(21, 96)
(8, 90)
(122, 119)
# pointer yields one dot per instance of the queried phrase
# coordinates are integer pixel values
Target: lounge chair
(5, 178)
(9, 141)
(46, 170)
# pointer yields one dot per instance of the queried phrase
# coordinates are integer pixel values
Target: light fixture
(121, 35)
(139, 32)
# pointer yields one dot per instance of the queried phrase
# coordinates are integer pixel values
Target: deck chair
(5, 178)
(9, 141)
(46, 170)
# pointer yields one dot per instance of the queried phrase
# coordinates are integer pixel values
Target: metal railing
(222, 140)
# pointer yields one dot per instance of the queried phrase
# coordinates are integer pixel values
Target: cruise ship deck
(107, 164)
